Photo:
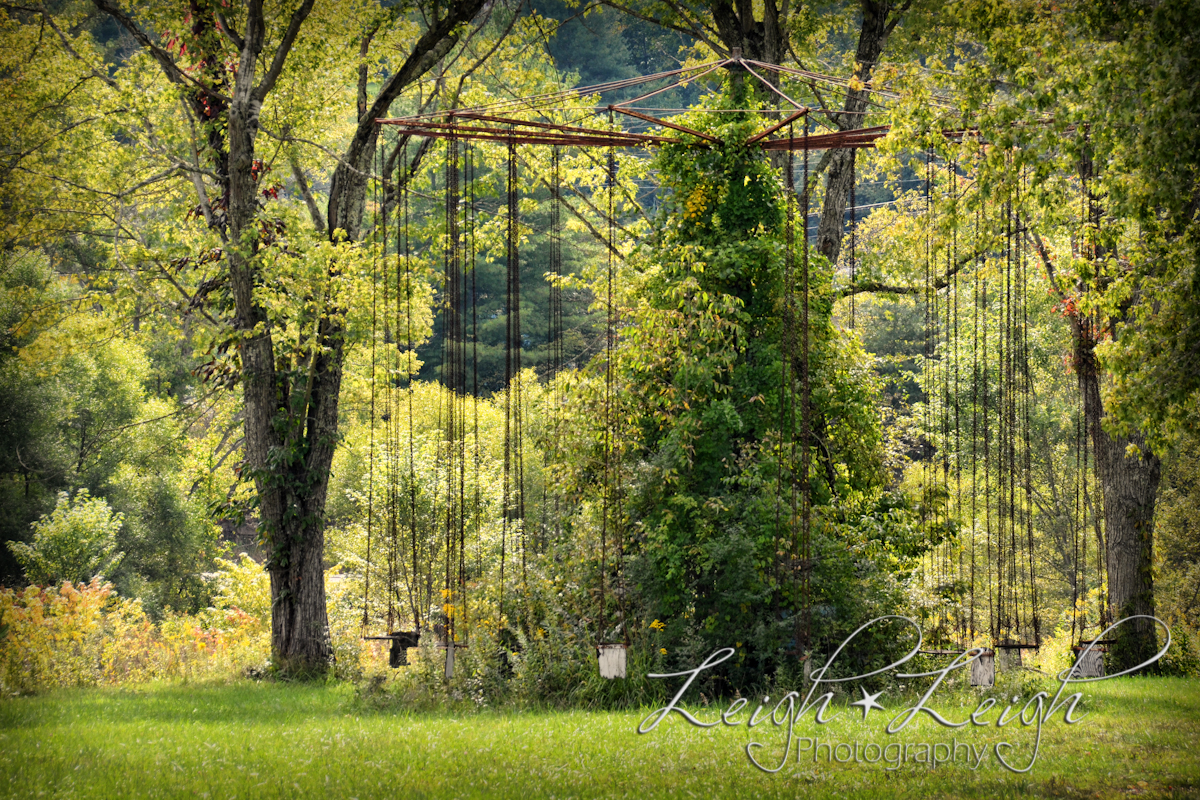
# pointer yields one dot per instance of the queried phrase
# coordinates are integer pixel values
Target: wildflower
(662, 651)
(657, 625)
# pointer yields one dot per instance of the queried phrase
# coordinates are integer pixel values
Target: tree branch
(363, 49)
(693, 31)
(71, 50)
(197, 183)
(290, 139)
(428, 50)
(224, 27)
(314, 210)
(169, 67)
(940, 282)
(1047, 263)
(891, 25)
(579, 216)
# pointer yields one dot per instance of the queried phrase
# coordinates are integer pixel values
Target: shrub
(74, 543)
(53, 636)
(85, 635)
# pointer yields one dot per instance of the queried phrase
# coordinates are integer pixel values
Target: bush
(83, 635)
(245, 586)
(168, 544)
(74, 543)
(52, 637)
(1183, 657)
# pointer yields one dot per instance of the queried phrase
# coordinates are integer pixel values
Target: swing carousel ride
(976, 376)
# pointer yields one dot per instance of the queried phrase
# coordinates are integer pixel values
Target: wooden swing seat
(412, 637)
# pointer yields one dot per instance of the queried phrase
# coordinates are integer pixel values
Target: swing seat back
(611, 659)
(983, 669)
(1088, 664)
(398, 652)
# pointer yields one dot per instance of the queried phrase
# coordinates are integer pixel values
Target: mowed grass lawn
(1140, 736)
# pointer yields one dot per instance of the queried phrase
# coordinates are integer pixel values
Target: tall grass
(273, 740)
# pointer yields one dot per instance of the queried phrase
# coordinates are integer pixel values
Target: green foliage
(245, 586)
(74, 543)
(83, 636)
(1091, 69)
(167, 541)
(1052, 89)
(101, 329)
(591, 45)
(52, 100)
(1149, 70)
(80, 412)
(1183, 656)
(705, 433)
(1177, 547)
(892, 330)
(29, 468)
(488, 317)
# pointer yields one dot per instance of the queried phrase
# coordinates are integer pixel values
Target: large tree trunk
(299, 625)
(289, 443)
(872, 38)
(1127, 470)
(764, 40)
(300, 642)
(1129, 474)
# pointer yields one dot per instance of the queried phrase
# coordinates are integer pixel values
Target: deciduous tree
(226, 67)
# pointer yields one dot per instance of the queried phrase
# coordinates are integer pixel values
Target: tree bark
(1129, 474)
(1126, 468)
(764, 40)
(299, 626)
(290, 474)
(872, 38)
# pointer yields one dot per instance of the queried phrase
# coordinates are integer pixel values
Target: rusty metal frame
(509, 120)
